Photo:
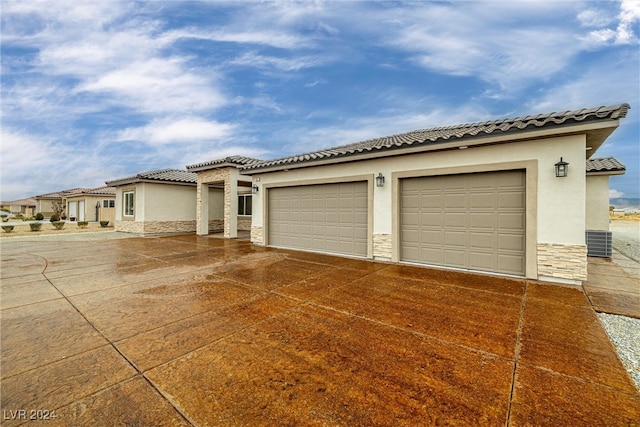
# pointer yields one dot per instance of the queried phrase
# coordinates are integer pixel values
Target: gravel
(624, 333)
(626, 238)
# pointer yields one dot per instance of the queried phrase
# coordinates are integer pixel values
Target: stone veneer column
(230, 207)
(202, 209)
(256, 235)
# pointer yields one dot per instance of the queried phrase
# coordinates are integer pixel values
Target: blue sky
(98, 90)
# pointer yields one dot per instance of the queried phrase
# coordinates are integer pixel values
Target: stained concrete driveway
(188, 330)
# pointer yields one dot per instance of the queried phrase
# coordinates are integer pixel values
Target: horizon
(97, 91)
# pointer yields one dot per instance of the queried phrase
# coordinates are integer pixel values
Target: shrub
(83, 224)
(39, 216)
(59, 225)
(4, 216)
(104, 223)
(5, 210)
(7, 228)
(54, 218)
(35, 226)
(29, 218)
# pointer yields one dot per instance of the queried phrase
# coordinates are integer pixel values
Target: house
(164, 201)
(24, 207)
(598, 172)
(510, 196)
(93, 204)
(44, 202)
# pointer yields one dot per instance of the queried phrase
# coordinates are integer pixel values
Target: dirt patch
(24, 230)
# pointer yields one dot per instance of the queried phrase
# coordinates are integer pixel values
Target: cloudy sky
(98, 90)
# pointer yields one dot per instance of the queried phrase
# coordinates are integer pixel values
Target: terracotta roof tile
(230, 160)
(161, 175)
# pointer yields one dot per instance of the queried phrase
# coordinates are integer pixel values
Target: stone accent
(562, 261)
(256, 235)
(129, 226)
(156, 227)
(216, 225)
(244, 223)
(382, 246)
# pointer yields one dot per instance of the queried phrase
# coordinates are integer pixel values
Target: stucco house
(509, 196)
(44, 202)
(92, 204)
(24, 207)
(164, 201)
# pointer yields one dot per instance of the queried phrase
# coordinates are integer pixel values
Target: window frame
(242, 206)
(128, 209)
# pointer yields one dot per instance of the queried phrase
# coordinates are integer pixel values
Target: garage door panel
(327, 217)
(474, 221)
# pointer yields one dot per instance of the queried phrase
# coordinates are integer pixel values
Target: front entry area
(325, 217)
(473, 221)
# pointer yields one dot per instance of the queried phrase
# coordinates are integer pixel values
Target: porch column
(202, 209)
(230, 207)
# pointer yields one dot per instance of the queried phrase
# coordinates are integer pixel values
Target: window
(244, 204)
(128, 203)
(108, 203)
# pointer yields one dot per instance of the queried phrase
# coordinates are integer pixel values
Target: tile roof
(106, 191)
(161, 175)
(227, 161)
(21, 202)
(60, 194)
(606, 164)
(442, 134)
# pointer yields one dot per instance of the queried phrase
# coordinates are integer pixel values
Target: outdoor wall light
(562, 168)
(254, 189)
(380, 180)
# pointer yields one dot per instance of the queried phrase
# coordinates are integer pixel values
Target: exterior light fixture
(562, 168)
(380, 180)
(254, 189)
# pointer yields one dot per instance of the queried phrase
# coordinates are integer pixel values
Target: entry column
(230, 207)
(202, 209)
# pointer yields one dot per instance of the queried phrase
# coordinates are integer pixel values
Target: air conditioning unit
(598, 243)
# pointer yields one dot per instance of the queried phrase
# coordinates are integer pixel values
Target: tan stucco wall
(89, 204)
(597, 203)
(555, 206)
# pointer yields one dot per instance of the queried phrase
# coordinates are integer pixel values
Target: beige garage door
(472, 221)
(325, 218)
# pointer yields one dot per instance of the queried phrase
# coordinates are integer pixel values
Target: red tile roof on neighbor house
(161, 175)
(60, 194)
(20, 202)
(605, 164)
(466, 132)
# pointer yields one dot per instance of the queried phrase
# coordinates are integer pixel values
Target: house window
(128, 203)
(108, 203)
(244, 204)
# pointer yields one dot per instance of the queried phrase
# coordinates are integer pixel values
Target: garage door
(472, 221)
(326, 218)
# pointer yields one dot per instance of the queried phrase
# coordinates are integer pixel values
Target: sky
(98, 90)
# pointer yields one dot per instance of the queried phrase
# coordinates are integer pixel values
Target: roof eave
(594, 140)
(607, 173)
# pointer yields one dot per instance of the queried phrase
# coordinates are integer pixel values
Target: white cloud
(183, 130)
(296, 63)
(614, 194)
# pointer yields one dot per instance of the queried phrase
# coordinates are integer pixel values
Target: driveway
(187, 330)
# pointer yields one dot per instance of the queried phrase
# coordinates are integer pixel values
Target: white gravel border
(624, 333)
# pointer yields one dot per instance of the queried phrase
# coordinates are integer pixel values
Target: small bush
(18, 216)
(5, 210)
(104, 223)
(35, 226)
(59, 225)
(39, 216)
(29, 218)
(4, 216)
(5, 219)
(54, 218)
(7, 228)
(83, 224)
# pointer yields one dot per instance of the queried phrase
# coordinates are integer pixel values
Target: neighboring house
(483, 196)
(44, 202)
(598, 173)
(24, 207)
(93, 204)
(164, 201)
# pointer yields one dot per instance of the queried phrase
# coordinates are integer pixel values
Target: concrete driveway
(187, 330)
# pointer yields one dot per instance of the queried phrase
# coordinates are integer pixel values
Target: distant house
(164, 201)
(44, 202)
(93, 204)
(598, 172)
(24, 207)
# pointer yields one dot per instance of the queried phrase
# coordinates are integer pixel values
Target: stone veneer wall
(256, 235)
(562, 261)
(215, 175)
(244, 224)
(216, 225)
(156, 226)
(129, 226)
(382, 246)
